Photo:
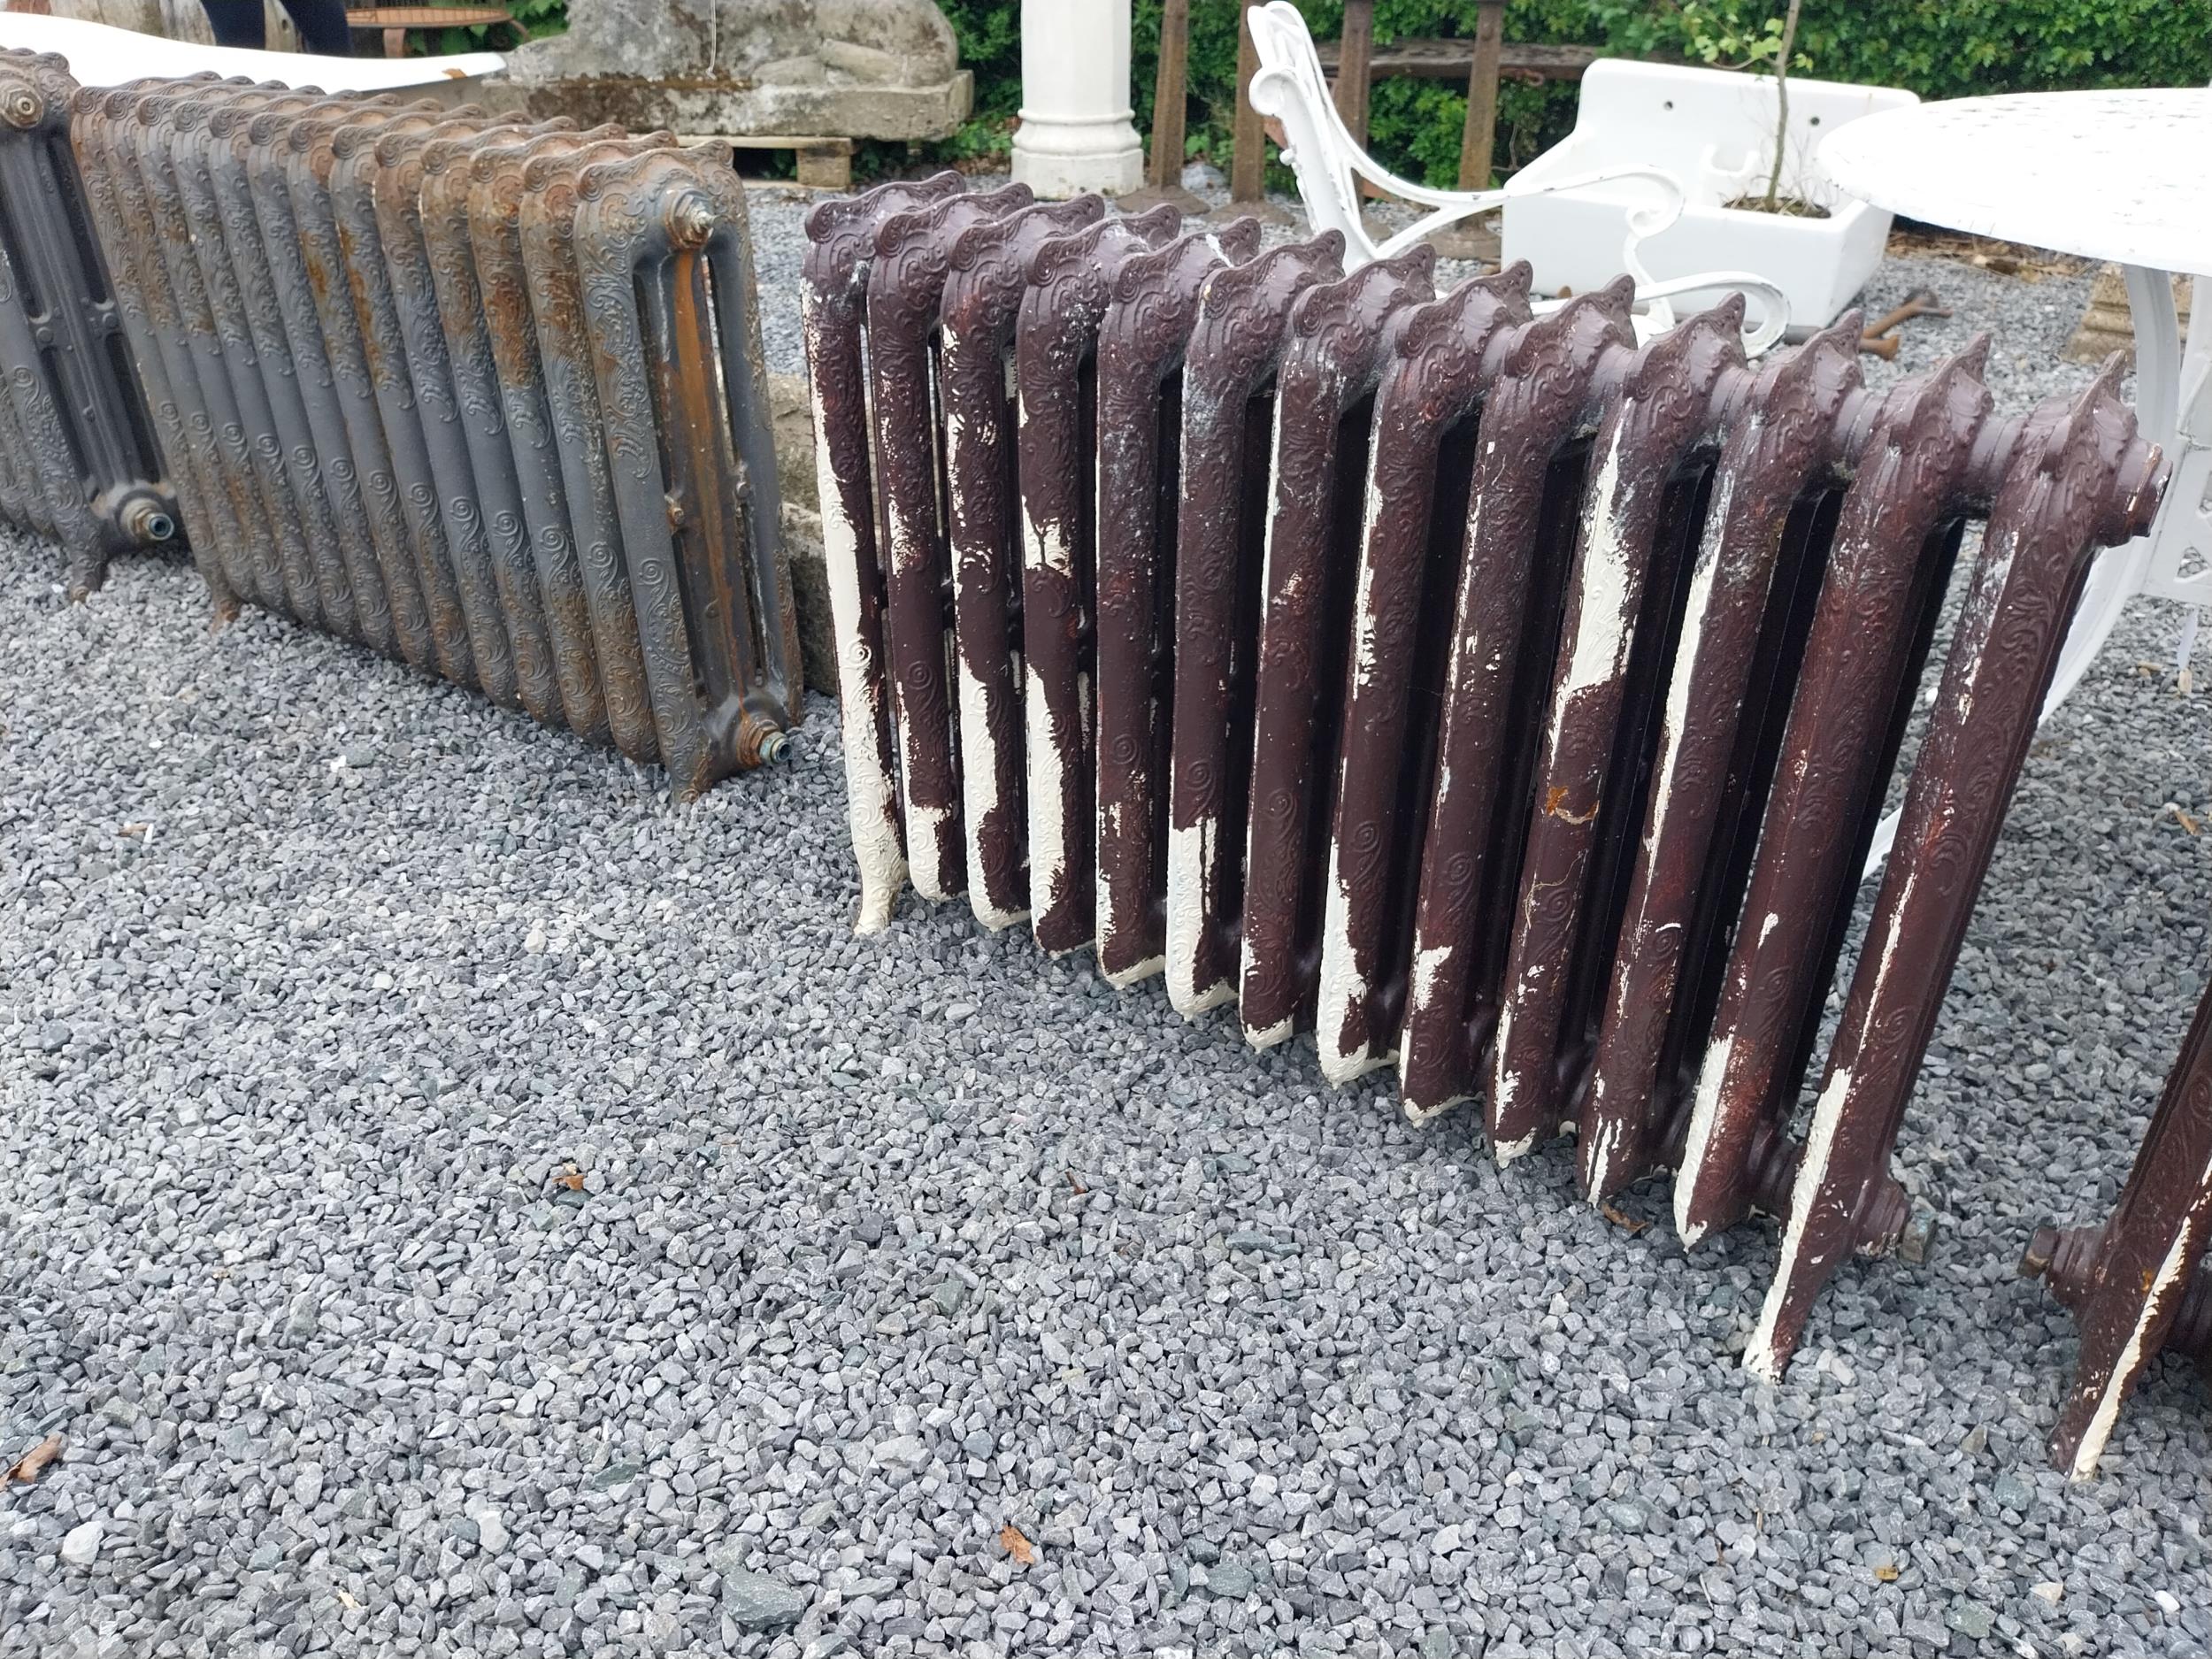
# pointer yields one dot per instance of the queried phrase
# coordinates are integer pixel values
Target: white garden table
(2123, 176)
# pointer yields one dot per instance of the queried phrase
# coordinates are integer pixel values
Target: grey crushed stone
(81, 1544)
(884, 1246)
(756, 1601)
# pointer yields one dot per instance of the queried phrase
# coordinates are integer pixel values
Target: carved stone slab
(839, 68)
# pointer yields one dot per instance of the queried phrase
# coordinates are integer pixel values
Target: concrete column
(1075, 133)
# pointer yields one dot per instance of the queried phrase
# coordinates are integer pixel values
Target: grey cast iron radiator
(78, 460)
(1495, 698)
(484, 396)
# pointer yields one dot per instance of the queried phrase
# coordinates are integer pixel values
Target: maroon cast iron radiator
(482, 395)
(2139, 1283)
(78, 459)
(1474, 687)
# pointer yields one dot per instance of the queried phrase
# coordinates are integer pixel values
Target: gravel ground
(467, 1205)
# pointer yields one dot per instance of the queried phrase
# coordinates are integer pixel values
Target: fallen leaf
(27, 1466)
(571, 1177)
(1885, 1573)
(1010, 1540)
(1614, 1215)
(345, 1599)
(2187, 821)
(133, 829)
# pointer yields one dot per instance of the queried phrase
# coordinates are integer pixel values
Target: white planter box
(1713, 131)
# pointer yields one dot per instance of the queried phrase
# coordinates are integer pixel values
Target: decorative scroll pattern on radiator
(1487, 694)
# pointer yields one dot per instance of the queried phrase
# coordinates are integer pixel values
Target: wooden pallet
(825, 164)
(394, 21)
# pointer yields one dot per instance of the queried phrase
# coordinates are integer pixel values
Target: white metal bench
(1289, 88)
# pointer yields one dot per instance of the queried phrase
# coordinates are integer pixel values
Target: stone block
(833, 68)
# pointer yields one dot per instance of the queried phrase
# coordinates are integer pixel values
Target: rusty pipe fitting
(690, 220)
(146, 521)
(760, 742)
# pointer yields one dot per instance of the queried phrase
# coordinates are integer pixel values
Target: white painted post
(1075, 133)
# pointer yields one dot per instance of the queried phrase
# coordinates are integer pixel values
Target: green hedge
(1941, 49)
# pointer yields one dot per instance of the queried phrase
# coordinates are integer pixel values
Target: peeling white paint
(1130, 975)
(1107, 829)
(924, 842)
(980, 752)
(1416, 1114)
(1048, 776)
(1767, 926)
(1190, 852)
(871, 793)
(2124, 1369)
(1697, 1142)
(1267, 1036)
(979, 783)
(1047, 548)
(1364, 602)
(1762, 1356)
(1343, 988)
(1599, 653)
(1890, 944)
(1601, 629)
(1426, 965)
(1677, 714)
(956, 428)
(1505, 1083)
(1603, 1145)
(926, 865)
(1274, 509)
(1047, 766)
(1110, 831)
